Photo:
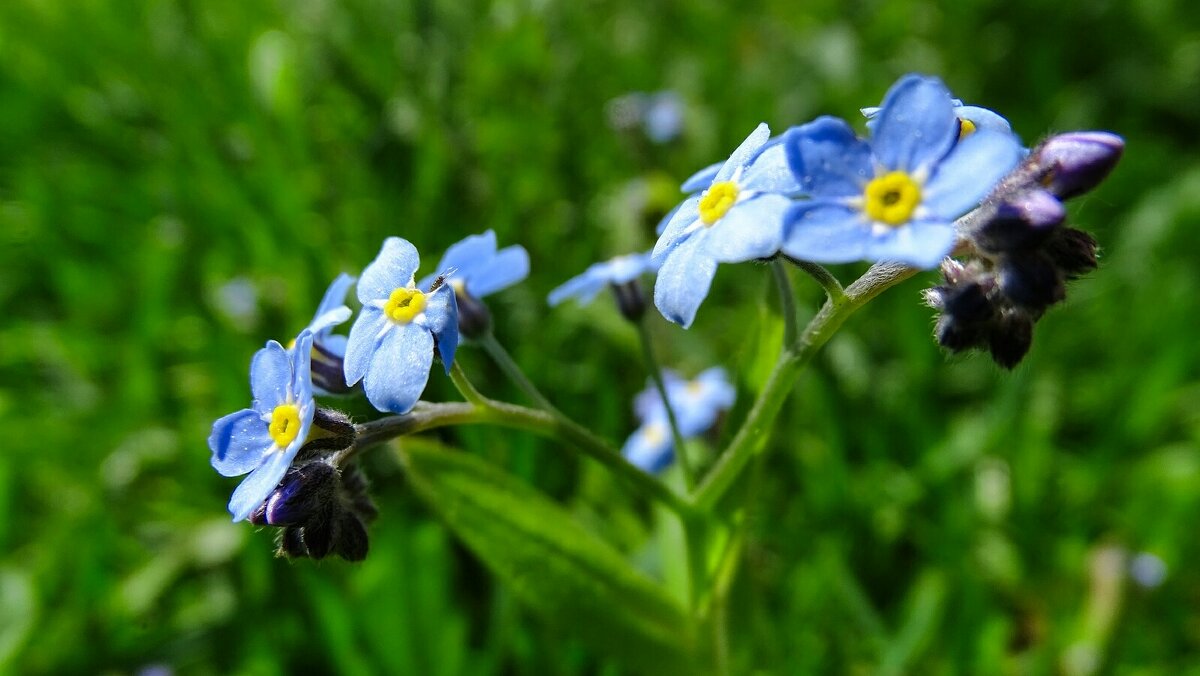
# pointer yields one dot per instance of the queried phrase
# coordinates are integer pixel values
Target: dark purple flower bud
(957, 336)
(1010, 339)
(1078, 161)
(474, 318)
(1031, 281)
(969, 303)
(304, 491)
(1021, 222)
(327, 373)
(318, 537)
(351, 541)
(291, 543)
(631, 299)
(1073, 251)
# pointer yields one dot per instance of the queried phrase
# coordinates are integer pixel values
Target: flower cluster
(820, 193)
(697, 404)
(298, 456)
(1021, 253)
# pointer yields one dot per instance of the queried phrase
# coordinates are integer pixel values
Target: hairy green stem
(787, 302)
(652, 365)
(427, 416)
(753, 433)
(833, 288)
(513, 371)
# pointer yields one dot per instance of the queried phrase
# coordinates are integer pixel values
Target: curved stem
(685, 465)
(833, 288)
(513, 371)
(792, 358)
(427, 416)
(464, 386)
(787, 302)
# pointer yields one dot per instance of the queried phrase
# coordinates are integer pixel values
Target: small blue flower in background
(620, 270)
(264, 439)
(329, 348)
(659, 115)
(738, 217)
(894, 198)
(697, 404)
(478, 269)
(330, 313)
(391, 343)
(970, 118)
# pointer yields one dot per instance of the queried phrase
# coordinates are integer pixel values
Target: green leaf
(551, 563)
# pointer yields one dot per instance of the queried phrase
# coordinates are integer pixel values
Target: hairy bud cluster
(321, 510)
(1023, 253)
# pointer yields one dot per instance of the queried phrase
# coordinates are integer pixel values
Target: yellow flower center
(892, 198)
(655, 435)
(965, 128)
(404, 304)
(717, 200)
(285, 424)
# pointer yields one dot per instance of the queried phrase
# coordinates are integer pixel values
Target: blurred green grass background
(179, 180)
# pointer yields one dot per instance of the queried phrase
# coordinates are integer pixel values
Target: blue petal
(701, 179)
(465, 257)
(683, 282)
(334, 298)
(916, 126)
(509, 266)
(270, 377)
(322, 323)
(823, 232)
(686, 215)
(399, 369)
(582, 287)
(666, 220)
(629, 267)
(970, 172)
(255, 489)
(717, 389)
(827, 159)
(741, 156)
(301, 367)
(920, 244)
(983, 119)
(238, 442)
(752, 229)
(392, 268)
(770, 171)
(649, 447)
(441, 317)
(334, 344)
(362, 343)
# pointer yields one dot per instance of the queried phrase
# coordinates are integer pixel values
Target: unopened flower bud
(303, 492)
(1031, 281)
(474, 318)
(1078, 161)
(327, 371)
(351, 540)
(631, 299)
(1010, 339)
(1023, 221)
(1073, 251)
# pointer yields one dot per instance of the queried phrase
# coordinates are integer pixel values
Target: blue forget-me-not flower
(736, 218)
(263, 440)
(478, 269)
(390, 348)
(895, 197)
(620, 270)
(697, 404)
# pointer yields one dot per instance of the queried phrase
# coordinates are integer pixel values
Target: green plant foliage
(552, 563)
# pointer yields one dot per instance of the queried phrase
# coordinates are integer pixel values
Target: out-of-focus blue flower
(658, 115)
(391, 343)
(970, 118)
(620, 270)
(894, 198)
(330, 313)
(697, 404)
(264, 439)
(737, 218)
(475, 266)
